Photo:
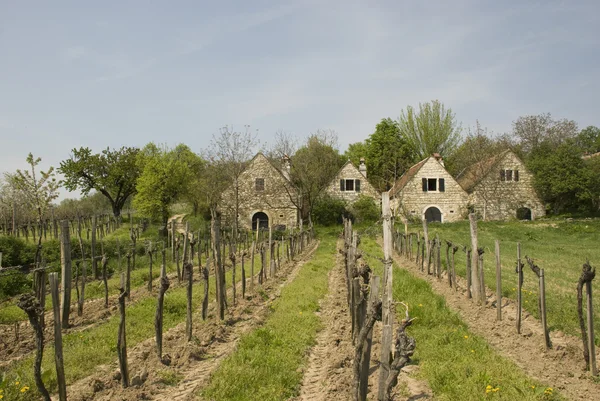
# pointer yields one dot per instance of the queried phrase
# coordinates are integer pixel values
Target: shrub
(328, 211)
(365, 210)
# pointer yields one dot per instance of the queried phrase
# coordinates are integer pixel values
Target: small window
(508, 175)
(349, 185)
(516, 175)
(442, 185)
(260, 184)
(280, 215)
(357, 185)
(451, 211)
(431, 184)
(413, 212)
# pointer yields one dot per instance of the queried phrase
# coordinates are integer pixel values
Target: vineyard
(198, 314)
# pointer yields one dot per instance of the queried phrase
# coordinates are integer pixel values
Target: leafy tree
(388, 155)
(113, 173)
(165, 176)
(356, 151)
(560, 176)
(433, 129)
(589, 139)
(328, 211)
(38, 192)
(314, 166)
(365, 210)
(532, 131)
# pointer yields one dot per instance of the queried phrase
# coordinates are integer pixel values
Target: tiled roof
(406, 177)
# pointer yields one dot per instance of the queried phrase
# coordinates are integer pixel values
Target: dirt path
(561, 367)
(329, 372)
(191, 364)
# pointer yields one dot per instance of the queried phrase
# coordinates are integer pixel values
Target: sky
(124, 73)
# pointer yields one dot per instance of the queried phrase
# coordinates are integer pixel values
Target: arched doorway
(433, 214)
(261, 220)
(523, 213)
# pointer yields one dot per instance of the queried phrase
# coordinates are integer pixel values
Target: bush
(365, 210)
(328, 211)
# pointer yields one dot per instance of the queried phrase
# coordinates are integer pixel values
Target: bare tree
(530, 131)
(231, 150)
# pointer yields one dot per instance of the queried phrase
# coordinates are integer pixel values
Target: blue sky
(113, 73)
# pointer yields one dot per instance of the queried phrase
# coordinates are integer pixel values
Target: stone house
(266, 196)
(428, 191)
(500, 188)
(351, 182)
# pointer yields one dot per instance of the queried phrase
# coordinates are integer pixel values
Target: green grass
(559, 247)
(457, 364)
(265, 365)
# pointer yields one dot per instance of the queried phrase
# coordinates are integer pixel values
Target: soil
(329, 374)
(186, 366)
(14, 347)
(562, 367)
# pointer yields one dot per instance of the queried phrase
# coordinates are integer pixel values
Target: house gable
(262, 188)
(427, 186)
(349, 183)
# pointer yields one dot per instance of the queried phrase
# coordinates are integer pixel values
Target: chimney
(439, 158)
(363, 167)
(286, 166)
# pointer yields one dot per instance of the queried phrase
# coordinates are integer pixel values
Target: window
(509, 175)
(434, 184)
(260, 184)
(350, 185)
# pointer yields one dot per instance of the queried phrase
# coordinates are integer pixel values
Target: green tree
(39, 192)
(165, 176)
(589, 139)
(113, 173)
(388, 155)
(314, 166)
(355, 152)
(433, 129)
(560, 176)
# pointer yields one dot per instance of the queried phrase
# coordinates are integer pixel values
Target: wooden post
(105, 279)
(468, 272)
(426, 243)
(128, 279)
(543, 309)
(93, 250)
(498, 283)
(205, 273)
(366, 354)
(476, 290)
(519, 287)
(387, 313)
(482, 293)
(149, 253)
(185, 243)
(590, 327)
(271, 253)
(244, 253)
(58, 350)
(252, 267)
(448, 266)
(122, 339)
(158, 318)
(66, 277)
(173, 237)
(438, 256)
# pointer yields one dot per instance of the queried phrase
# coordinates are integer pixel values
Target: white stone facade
(349, 183)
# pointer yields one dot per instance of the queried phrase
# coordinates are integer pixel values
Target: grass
(457, 364)
(559, 247)
(85, 350)
(266, 363)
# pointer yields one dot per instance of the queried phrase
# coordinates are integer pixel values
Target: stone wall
(349, 172)
(499, 200)
(412, 202)
(275, 200)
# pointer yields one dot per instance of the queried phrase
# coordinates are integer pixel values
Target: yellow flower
(532, 386)
(300, 312)
(488, 387)
(1, 396)
(420, 304)
(473, 351)
(24, 389)
(466, 336)
(16, 383)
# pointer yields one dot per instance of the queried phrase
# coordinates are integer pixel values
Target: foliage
(91, 204)
(560, 176)
(365, 210)
(113, 173)
(589, 139)
(166, 173)
(388, 155)
(356, 151)
(532, 131)
(433, 129)
(328, 211)
(314, 165)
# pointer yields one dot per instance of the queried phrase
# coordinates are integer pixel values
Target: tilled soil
(562, 367)
(329, 374)
(186, 366)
